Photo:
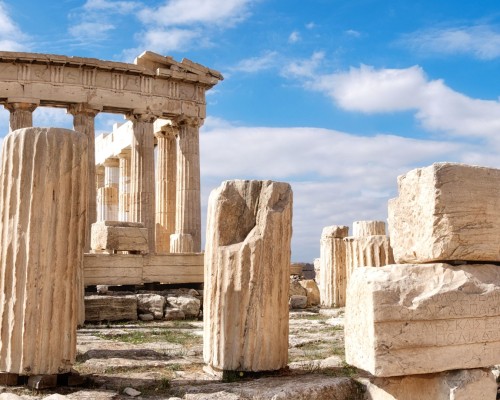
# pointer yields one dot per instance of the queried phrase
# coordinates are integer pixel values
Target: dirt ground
(164, 360)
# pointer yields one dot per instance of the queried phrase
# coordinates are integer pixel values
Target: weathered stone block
(247, 267)
(368, 251)
(367, 228)
(446, 212)
(151, 303)
(333, 269)
(43, 197)
(189, 305)
(110, 308)
(119, 236)
(468, 384)
(312, 291)
(416, 319)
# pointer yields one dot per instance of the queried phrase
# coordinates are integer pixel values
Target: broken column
(368, 247)
(333, 273)
(42, 232)
(434, 311)
(247, 262)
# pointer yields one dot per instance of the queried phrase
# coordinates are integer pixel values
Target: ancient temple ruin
(164, 103)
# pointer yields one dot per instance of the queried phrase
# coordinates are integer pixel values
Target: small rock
(193, 292)
(55, 396)
(312, 291)
(298, 302)
(151, 304)
(10, 396)
(189, 305)
(174, 314)
(146, 317)
(102, 289)
(131, 392)
(296, 289)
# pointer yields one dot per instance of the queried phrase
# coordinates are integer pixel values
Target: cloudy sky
(336, 97)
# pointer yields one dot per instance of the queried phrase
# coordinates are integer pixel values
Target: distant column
(110, 192)
(166, 175)
(124, 186)
(21, 114)
(83, 121)
(187, 237)
(99, 184)
(142, 187)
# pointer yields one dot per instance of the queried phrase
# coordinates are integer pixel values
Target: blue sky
(336, 97)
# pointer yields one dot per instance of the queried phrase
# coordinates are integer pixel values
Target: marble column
(21, 114)
(99, 185)
(124, 186)
(83, 121)
(142, 169)
(166, 174)
(187, 237)
(110, 192)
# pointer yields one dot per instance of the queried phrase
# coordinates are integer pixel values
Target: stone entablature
(155, 84)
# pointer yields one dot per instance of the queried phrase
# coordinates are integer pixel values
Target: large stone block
(417, 319)
(446, 212)
(110, 308)
(469, 384)
(119, 236)
(247, 268)
(368, 228)
(42, 237)
(333, 272)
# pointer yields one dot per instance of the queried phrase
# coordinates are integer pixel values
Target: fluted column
(187, 237)
(166, 175)
(42, 225)
(99, 184)
(142, 187)
(110, 190)
(21, 114)
(124, 186)
(83, 121)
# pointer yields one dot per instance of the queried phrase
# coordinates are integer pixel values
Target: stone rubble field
(164, 360)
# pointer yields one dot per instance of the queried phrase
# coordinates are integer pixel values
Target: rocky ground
(163, 360)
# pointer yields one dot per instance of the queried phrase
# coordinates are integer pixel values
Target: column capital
(141, 116)
(111, 162)
(83, 108)
(20, 105)
(194, 122)
(167, 129)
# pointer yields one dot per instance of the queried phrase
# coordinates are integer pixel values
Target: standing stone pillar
(21, 114)
(99, 184)
(42, 232)
(83, 121)
(124, 186)
(333, 268)
(187, 237)
(110, 190)
(247, 275)
(142, 187)
(166, 174)
(368, 247)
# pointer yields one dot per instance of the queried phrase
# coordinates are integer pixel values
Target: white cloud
(304, 68)
(337, 177)
(353, 33)
(310, 25)
(166, 40)
(256, 64)
(120, 7)
(90, 30)
(11, 36)
(189, 12)
(294, 37)
(369, 90)
(480, 41)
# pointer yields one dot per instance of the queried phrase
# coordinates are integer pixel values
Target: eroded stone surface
(472, 384)
(333, 268)
(110, 308)
(416, 319)
(446, 212)
(367, 228)
(119, 236)
(151, 303)
(42, 231)
(247, 264)
(368, 251)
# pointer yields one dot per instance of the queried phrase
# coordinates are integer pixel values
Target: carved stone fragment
(446, 212)
(119, 236)
(42, 231)
(247, 264)
(416, 319)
